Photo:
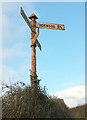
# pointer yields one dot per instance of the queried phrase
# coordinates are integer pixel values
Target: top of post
(33, 16)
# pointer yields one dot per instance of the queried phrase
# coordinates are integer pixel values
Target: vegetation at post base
(20, 101)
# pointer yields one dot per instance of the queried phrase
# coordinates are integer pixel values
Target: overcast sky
(61, 63)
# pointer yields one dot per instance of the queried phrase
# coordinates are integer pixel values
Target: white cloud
(72, 96)
(8, 74)
(11, 74)
(14, 51)
(69, 84)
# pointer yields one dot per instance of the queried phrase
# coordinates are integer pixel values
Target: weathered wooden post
(33, 17)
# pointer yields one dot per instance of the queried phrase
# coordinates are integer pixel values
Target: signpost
(50, 26)
(33, 25)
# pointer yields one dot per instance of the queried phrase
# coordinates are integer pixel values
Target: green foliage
(23, 102)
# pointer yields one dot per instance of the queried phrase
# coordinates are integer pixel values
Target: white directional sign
(26, 19)
(50, 26)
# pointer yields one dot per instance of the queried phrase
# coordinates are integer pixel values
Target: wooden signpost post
(33, 25)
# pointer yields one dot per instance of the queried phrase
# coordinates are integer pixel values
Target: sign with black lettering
(50, 26)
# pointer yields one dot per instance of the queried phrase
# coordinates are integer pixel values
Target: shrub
(20, 101)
